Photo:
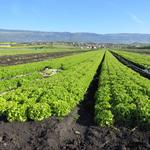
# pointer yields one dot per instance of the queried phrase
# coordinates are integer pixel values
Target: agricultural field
(140, 50)
(123, 96)
(88, 100)
(64, 89)
(140, 59)
(35, 48)
(25, 53)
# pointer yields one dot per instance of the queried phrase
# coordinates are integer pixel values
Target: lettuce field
(90, 91)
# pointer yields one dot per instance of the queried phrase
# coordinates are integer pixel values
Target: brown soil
(26, 58)
(70, 134)
(77, 131)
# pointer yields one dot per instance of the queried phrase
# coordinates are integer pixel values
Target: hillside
(30, 36)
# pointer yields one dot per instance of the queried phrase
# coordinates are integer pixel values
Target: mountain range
(39, 36)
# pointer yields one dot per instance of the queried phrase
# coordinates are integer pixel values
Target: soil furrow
(86, 113)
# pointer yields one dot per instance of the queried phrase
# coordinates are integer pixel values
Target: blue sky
(99, 16)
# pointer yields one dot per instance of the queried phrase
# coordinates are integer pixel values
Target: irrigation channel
(136, 67)
(77, 131)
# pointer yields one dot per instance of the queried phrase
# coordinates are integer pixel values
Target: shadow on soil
(86, 108)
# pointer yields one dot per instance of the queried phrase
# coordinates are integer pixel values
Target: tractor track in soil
(136, 67)
(77, 131)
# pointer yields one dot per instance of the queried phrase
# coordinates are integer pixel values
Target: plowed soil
(70, 134)
(26, 58)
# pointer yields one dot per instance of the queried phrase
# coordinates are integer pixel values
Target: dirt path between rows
(26, 58)
(77, 131)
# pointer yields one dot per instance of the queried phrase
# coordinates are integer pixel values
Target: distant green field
(137, 50)
(28, 49)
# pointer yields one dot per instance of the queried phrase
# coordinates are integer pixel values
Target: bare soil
(26, 58)
(77, 131)
(69, 134)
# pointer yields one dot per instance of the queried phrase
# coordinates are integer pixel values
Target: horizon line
(46, 31)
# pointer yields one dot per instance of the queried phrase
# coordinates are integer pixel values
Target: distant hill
(38, 36)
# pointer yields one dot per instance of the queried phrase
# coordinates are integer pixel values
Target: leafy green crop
(57, 95)
(137, 58)
(39, 111)
(123, 95)
(104, 118)
(17, 113)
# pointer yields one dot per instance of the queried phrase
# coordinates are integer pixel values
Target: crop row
(123, 96)
(56, 95)
(141, 59)
(16, 76)
(13, 71)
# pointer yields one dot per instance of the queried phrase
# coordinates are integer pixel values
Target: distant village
(81, 45)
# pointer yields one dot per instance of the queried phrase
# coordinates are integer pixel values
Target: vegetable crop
(56, 95)
(123, 96)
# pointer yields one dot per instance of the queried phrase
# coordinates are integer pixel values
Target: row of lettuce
(13, 77)
(56, 95)
(123, 96)
(140, 59)
(13, 71)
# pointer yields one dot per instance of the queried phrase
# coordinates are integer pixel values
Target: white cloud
(135, 18)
